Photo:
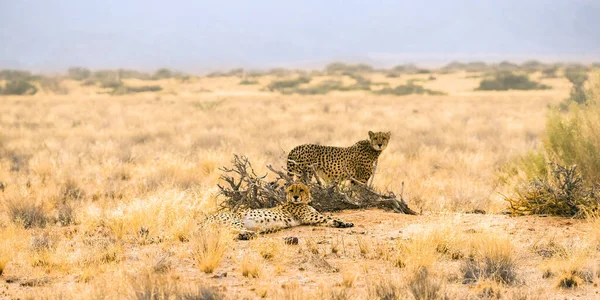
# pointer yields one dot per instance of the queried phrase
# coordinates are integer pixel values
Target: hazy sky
(51, 35)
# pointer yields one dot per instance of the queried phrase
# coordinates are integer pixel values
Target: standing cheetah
(338, 163)
(294, 212)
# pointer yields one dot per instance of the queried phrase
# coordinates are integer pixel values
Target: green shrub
(476, 66)
(408, 89)
(320, 89)
(78, 73)
(455, 66)
(162, 73)
(503, 81)
(124, 74)
(532, 66)
(562, 178)
(248, 82)
(577, 77)
(287, 85)
(110, 83)
(19, 87)
(15, 75)
(549, 71)
(341, 68)
(123, 89)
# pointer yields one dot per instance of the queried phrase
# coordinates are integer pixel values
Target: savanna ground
(91, 170)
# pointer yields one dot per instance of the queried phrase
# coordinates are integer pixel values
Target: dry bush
(27, 212)
(492, 257)
(385, 288)
(209, 245)
(421, 286)
(247, 189)
(564, 193)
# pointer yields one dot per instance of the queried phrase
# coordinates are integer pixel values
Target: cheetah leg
(313, 217)
(241, 232)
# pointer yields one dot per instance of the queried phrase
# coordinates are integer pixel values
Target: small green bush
(15, 75)
(124, 90)
(287, 85)
(109, 83)
(408, 89)
(532, 66)
(162, 73)
(504, 81)
(577, 77)
(19, 87)
(549, 72)
(342, 68)
(248, 82)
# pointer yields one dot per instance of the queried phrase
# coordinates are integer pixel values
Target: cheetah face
(379, 140)
(298, 193)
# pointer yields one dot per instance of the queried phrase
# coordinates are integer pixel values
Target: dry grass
(209, 246)
(492, 257)
(251, 266)
(571, 270)
(121, 184)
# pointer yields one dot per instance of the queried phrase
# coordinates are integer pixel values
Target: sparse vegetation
(19, 87)
(408, 89)
(287, 86)
(506, 80)
(105, 197)
(246, 81)
(123, 89)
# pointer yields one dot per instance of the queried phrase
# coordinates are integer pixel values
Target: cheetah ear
(388, 134)
(371, 134)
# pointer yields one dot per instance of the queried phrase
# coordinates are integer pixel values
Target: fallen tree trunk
(242, 187)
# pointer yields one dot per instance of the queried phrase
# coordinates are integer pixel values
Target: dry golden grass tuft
(349, 276)
(492, 256)
(209, 245)
(12, 241)
(251, 266)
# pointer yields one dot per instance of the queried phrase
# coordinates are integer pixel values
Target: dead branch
(242, 187)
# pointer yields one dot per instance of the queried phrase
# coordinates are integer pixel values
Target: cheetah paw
(341, 224)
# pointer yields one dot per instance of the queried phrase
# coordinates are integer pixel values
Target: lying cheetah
(338, 163)
(294, 212)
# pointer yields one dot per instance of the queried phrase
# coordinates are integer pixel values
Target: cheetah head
(379, 140)
(298, 193)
